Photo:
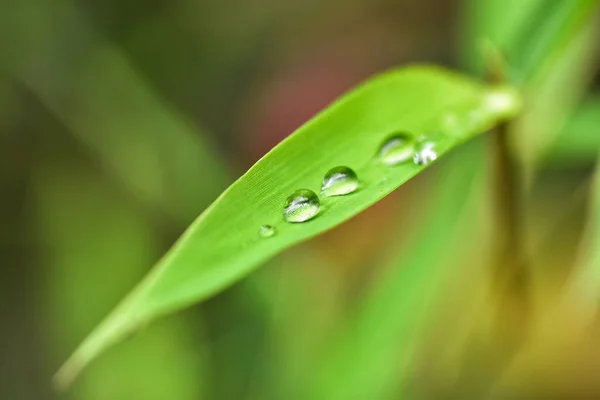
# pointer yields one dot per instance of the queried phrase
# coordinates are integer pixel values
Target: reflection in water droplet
(301, 206)
(425, 153)
(339, 181)
(267, 231)
(397, 149)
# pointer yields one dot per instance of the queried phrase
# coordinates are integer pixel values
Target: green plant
(224, 244)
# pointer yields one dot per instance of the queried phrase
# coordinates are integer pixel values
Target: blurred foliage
(79, 288)
(579, 139)
(371, 358)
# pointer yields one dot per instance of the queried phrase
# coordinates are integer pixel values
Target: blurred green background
(120, 121)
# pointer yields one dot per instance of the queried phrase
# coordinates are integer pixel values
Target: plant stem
(510, 280)
(511, 272)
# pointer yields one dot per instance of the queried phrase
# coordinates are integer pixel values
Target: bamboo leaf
(223, 244)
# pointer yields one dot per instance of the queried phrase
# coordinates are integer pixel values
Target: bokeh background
(120, 121)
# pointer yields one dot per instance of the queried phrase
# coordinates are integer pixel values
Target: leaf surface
(223, 244)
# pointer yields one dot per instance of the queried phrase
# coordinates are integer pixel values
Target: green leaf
(496, 21)
(151, 149)
(548, 32)
(553, 94)
(579, 139)
(223, 244)
(532, 34)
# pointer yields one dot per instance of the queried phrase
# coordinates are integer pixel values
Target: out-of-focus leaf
(100, 96)
(496, 21)
(223, 244)
(552, 96)
(371, 358)
(579, 139)
(549, 47)
(96, 244)
(303, 296)
(532, 34)
(546, 35)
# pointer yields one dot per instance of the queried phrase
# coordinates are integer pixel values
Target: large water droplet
(301, 206)
(397, 149)
(339, 181)
(425, 153)
(267, 231)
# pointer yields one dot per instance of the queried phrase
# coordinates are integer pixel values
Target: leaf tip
(504, 101)
(67, 373)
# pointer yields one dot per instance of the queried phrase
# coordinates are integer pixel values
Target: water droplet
(339, 181)
(301, 206)
(267, 231)
(425, 153)
(397, 149)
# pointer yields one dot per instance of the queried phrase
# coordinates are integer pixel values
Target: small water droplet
(425, 153)
(301, 206)
(339, 181)
(267, 231)
(397, 149)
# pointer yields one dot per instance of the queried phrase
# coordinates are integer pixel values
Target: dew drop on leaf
(397, 149)
(301, 206)
(267, 231)
(425, 153)
(339, 181)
